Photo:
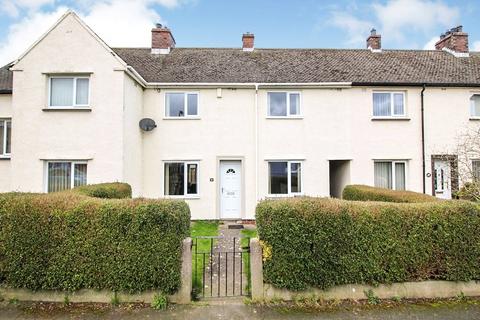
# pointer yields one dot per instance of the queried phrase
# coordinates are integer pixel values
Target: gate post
(256, 269)
(184, 294)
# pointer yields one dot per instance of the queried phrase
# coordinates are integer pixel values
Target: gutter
(422, 97)
(251, 85)
(415, 84)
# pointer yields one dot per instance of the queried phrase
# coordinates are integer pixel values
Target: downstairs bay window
(284, 177)
(181, 179)
(390, 174)
(63, 175)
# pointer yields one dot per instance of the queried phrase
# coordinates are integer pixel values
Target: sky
(403, 24)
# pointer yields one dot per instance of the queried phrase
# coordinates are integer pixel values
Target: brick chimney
(248, 41)
(454, 40)
(374, 41)
(162, 40)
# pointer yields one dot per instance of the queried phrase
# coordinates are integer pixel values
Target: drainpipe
(423, 136)
(256, 142)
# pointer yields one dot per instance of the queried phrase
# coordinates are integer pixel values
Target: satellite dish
(147, 124)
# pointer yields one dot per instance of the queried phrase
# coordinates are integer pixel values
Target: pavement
(238, 310)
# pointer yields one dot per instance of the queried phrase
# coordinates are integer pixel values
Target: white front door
(230, 189)
(442, 182)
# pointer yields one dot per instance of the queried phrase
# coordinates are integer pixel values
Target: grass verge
(247, 234)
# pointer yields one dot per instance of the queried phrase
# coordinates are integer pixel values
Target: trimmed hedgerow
(326, 242)
(68, 241)
(114, 190)
(367, 193)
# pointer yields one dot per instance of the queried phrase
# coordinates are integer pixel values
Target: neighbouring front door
(442, 182)
(230, 189)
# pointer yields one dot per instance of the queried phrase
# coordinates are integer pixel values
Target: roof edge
(415, 84)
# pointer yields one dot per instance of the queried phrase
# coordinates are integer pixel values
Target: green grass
(201, 229)
(247, 234)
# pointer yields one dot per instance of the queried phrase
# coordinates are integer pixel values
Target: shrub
(367, 193)
(68, 241)
(115, 190)
(327, 242)
(470, 191)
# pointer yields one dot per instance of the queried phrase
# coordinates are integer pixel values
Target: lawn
(201, 229)
(247, 234)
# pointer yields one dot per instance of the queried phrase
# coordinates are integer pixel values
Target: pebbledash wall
(335, 124)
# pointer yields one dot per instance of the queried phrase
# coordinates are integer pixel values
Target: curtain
(381, 104)
(175, 105)
(399, 176)
(398, 107)
(383, 175)
(475, 105)
(294, 104)
(278, 177)
(295, 177)
(80, 174)
(192, 104)
(8, 148)
(277, 104)
(192, 179)
(61, 92)
(59, 176)
(82, 92)
(174, 179)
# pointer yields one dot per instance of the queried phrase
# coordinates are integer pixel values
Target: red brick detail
(374, 42)
(248, 40)
(162, 38)
(455, 41)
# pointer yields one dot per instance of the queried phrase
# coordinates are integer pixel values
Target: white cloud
(397, 17)
(476, 46)
(13, 8)
(355, 28)
(430, 45)
(117, 22)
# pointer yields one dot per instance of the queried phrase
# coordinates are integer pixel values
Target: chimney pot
(162, 39)
(454, 40)
(374, 41)
(248, 41)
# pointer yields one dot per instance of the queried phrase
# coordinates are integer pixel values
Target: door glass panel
(295, 180)
(278, 178)
(192, 179)
(174, 179)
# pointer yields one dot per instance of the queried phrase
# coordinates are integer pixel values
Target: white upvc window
(5, 138)
(64, 175)
(283, 104)
(181, 105)
(69, 92)
(285, 177)
(181, 178)
(389, 104)
(475, 106)
(390, 174)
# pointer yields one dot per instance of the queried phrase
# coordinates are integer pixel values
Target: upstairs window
(69, 92)
(5, 138)
(181, 105)
(475, 106)
(181, 178)
(388, 104)
(390, 174)
(285, 177)
(63, 175)
(283, 104)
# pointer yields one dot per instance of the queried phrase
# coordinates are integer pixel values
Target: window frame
(72, 170)
(185, 105)
(185, 195)
(471, 105)
(74, 92)
(288, 115)
(392, 105)
(392, 163)
(3, 153)
(289, 179)
(474, 176)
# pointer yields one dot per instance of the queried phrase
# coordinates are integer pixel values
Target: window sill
(285, 118)
(181, 118)
(279, 196)
(78, 109)
(474, 118)
(183, 197)
(390, 119)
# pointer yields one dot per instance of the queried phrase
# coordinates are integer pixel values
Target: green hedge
(367, 193)
(114, 190)
(68, 241)
(325, 242)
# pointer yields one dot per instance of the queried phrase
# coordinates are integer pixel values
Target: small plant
(66, 300)
(397, 299)
(13, 301)
(461, 296)
(372, 299)
(160, 301)
(115, 299)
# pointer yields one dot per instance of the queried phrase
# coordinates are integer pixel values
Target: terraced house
(225, 127)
